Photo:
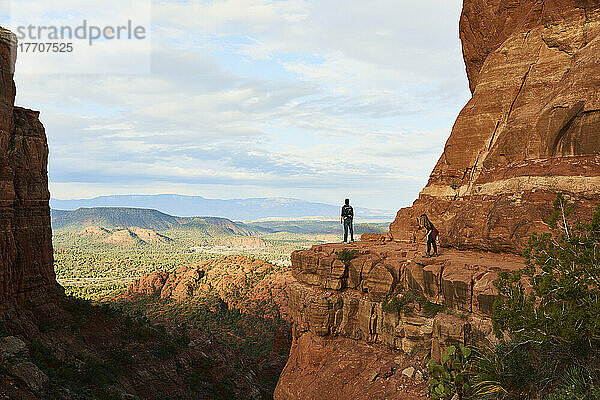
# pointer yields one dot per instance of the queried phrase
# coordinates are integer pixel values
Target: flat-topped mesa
(530, 130)
(26, 265)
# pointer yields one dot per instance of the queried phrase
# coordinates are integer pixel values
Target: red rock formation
(26, 264)
(332, 302)
(530, 129)
(238, 280)
(356, 370)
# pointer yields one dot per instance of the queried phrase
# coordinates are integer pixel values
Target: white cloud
(303, 98)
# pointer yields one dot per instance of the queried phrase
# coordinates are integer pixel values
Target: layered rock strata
(451, 299)
(530, 130)
(26, 264)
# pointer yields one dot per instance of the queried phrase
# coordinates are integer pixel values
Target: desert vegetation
(231, 301)
(89, 267)
(547, 320)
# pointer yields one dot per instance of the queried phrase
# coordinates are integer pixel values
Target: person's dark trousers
(431, 242)
(348, 225)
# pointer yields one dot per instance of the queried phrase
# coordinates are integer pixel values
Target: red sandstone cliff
(531, 129)
(54, 347)
(26, 270)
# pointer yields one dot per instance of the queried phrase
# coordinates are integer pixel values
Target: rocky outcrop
(240, 281)
(355, 370)
(26, 264)
(124, 236)
(529, 131)
(388, 298)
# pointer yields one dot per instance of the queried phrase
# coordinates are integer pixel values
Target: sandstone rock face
(461, 281)
(530, 129)
(26, 264)
(355, 370)
(451, 299)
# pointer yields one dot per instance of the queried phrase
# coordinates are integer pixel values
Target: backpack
(348, 211)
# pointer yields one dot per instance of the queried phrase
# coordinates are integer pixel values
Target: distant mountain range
(317, 227)
(111, 217)
(123, 217)
(235, 209)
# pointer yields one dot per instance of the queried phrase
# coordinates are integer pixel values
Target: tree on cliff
(550, 310)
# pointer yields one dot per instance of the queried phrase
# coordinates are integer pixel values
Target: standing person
(431, 235)
(346, 219)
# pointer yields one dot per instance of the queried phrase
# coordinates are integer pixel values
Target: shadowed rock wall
(26, 264)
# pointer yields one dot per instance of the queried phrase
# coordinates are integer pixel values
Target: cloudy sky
(317, 100)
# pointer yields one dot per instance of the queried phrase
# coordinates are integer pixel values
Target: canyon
(58, 347)
(529, 131)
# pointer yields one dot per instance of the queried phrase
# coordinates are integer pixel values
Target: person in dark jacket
(431, 235)
(346, 219)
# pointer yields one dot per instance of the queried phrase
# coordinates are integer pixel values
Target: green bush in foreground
(547, 316)
(451, 376)
(402, 303)
(563, 272)
(346, 256)
(556, 321)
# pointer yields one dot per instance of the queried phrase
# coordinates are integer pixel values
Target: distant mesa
(75, 220)
(131, 235)
(143, 222)
(236, 209)
(94, 230)
(87, 221)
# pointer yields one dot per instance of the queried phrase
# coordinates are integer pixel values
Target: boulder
(29, 373)
(10, 347)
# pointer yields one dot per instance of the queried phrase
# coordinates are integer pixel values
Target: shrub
(402, 304)
(397, 304)
(564, 273)
(451, 377)
(430, 309)
(576, 385)
(550, 310)
(506, 370)
(346, 256)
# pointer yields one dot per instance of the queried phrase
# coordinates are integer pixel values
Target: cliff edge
(529, 131)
